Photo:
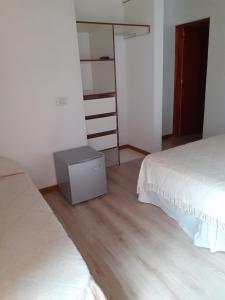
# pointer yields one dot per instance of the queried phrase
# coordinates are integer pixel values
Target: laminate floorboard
(135, 251)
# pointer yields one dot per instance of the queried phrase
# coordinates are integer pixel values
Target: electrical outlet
(61, 101)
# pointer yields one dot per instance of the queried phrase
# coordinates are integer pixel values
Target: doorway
(191, 58)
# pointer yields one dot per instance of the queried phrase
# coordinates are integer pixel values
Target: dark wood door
(190, 77)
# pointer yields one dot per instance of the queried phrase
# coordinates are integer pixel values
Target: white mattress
(37, 258)
(191, 180)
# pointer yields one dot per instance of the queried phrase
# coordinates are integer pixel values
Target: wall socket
(61, 101)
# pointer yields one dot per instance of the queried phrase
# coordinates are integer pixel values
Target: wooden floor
(174, 141)
(134, 251)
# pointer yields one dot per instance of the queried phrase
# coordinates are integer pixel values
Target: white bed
(188, 183)
(37, 258)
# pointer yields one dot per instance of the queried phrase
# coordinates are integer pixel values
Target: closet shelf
(99, 116)
(100, 134)
(122, 29)
(97, 60)
(92, 95)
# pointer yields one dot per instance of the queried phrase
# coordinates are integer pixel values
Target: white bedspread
(37, 259)
(191, 177)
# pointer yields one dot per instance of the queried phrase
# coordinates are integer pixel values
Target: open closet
(102, 48)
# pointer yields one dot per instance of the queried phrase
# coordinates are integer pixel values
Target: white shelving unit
(98, 68)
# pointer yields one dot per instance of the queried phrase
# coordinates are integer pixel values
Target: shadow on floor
(174, 141)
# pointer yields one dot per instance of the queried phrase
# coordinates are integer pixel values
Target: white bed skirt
(202, 234)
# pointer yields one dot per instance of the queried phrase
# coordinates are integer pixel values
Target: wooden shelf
(97, 60)
(100, 134)
(99, 116)
(92, 95)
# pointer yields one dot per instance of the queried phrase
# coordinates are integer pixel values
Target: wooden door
(190, 77)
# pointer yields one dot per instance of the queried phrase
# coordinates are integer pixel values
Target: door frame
(178, 88)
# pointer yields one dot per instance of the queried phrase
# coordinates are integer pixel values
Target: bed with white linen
(37, 258)
(188, 183)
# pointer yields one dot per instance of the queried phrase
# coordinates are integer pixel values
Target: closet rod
(115, 24)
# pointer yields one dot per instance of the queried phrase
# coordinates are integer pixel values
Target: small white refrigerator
(81, 174)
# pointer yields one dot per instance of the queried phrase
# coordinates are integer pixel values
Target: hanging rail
(127, 35)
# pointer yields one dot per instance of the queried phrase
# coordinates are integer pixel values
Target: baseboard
(167, 136)
(123, 147)
(49, 189)
(135, 149)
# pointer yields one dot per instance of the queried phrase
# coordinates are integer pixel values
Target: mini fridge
(81, 174)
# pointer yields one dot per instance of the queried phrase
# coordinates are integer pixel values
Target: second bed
(188, 184)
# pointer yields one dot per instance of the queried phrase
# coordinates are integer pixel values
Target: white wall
(168, 75)
(95, 44)
(99, 10)
(145, 69)
(39, 62)
(158, 37)
(101, 42)
(85, 53)
(121, 75)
